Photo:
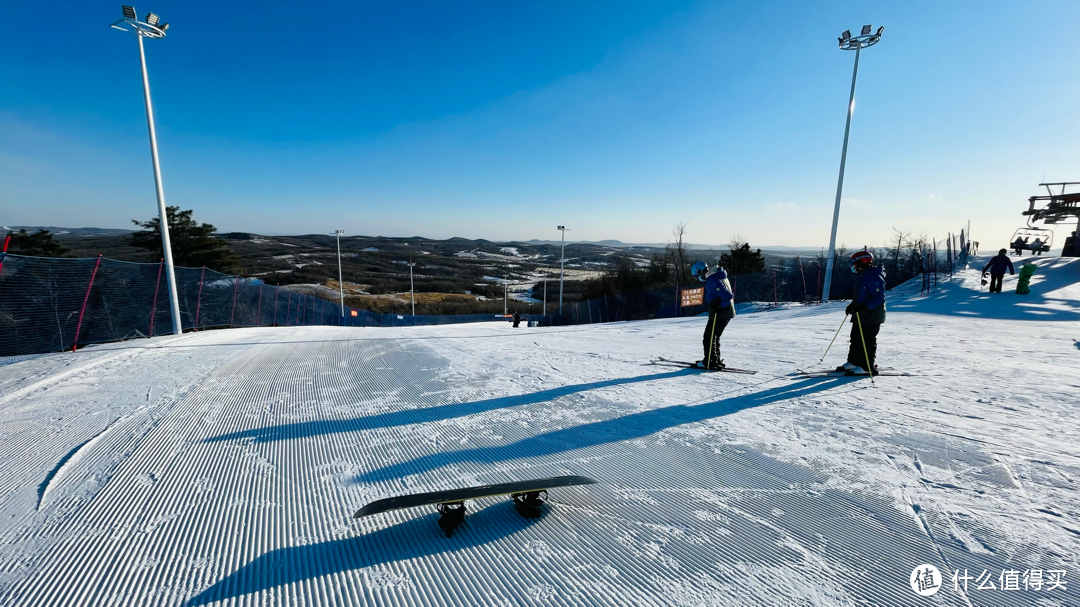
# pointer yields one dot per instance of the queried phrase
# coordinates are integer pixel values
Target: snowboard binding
(453, 514)
(529, 504)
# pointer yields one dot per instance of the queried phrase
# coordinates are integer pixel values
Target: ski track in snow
(222, 467)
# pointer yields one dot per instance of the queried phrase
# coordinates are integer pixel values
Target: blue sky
(500, 120)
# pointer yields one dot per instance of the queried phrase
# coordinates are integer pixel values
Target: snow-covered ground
(223, 467)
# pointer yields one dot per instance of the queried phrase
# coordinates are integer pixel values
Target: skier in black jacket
(997, 267)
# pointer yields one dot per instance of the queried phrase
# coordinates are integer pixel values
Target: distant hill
(70, 232)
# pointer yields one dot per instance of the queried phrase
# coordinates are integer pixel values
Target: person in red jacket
(996, 268)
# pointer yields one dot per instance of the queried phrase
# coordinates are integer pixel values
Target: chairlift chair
(1028, 236)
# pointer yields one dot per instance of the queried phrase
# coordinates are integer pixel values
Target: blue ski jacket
(870, 291)
(717, 287)
(998, 265)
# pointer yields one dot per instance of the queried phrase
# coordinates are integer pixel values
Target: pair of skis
(835, 373)
(666, 362)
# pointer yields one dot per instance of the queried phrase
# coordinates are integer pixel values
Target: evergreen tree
(38, 244)
(741, 259)
(193, 244)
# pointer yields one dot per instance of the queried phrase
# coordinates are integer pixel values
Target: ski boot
(718, 365)
(844, 368)
(856, 371)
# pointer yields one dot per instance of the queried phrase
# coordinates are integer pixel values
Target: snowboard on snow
(689, 365)
(451, 502)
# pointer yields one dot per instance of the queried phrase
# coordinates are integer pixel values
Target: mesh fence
(634, 305)
(55, 304)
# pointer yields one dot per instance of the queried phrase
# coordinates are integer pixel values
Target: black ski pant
(710, 342)
(856, 355)
(995, 282)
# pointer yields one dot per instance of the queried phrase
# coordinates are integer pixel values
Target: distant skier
(996, 268)
(867, 309)
(1026, 272)
(1019, 245)
(517, 319)
(720, 298)
(1037, 246)
(1072, 245)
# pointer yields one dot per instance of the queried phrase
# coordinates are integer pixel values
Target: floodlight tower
(562, 263)
(153, 28)
(340, 285)
(865, 39)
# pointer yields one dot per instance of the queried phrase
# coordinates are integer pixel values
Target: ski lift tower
(1058, 207)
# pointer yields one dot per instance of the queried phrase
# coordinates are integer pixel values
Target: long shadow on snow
(416, 538)
(626, 427)
(427, 414)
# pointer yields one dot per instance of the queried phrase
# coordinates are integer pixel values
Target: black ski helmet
(1003, 252)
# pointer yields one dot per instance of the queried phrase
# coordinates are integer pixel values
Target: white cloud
(932, 196)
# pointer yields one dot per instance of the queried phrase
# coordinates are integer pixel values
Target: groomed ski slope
(222, 468)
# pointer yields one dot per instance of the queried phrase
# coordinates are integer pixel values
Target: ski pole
(866, 352)
(712, 340)
(833, 339)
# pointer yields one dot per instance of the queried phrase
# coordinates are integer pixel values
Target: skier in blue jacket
(720, 298)
(867, 309)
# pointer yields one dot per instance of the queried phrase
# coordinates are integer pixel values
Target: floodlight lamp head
(129, 12)
(865, 39)
(560, 227)
(153, 19)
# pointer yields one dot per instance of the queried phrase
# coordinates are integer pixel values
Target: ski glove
(855, 307)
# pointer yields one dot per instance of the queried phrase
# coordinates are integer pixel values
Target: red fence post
(236, 286)
(198, 300)
(288, 309)
(7, 241)
(153, 308)
(802, 272)
(274, 322)
(78, 327)
(258, 317)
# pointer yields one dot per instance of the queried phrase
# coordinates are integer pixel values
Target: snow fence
(57, 304)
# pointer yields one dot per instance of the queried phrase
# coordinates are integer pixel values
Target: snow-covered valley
(223, 467)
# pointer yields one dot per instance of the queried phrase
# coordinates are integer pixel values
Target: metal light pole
(505, 281)
(545, 296)
(340, 285)
(153, 28)
(847, 43)
(412, 293)
(562, 264)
